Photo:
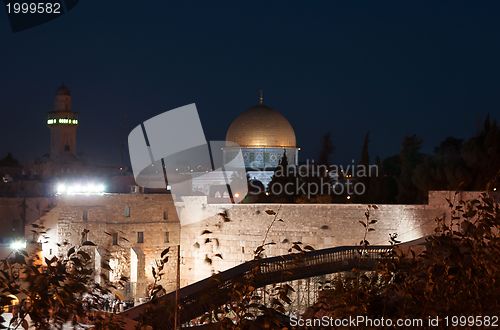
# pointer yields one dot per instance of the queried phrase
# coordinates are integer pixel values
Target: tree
(444, 170)
(281, 188)
(52, 292)
(482, 155)
(410, 157)
(457, 273)
(326, 151)
(364, 161)
(365, 155)
(9, 161)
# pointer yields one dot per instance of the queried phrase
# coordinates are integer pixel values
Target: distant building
(63, 163)
(26, 190)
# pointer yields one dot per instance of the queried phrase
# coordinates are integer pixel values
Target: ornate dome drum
(264, 135)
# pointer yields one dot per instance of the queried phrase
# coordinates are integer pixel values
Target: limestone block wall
(320, 225)
(113, 222)
(16, 212)
(224, 244)
(317, 225)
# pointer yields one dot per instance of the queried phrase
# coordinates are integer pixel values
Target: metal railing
(199, 297)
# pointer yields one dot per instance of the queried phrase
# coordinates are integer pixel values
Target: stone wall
(224, 244)
(123, 215)
(18, 212)
(318, 225)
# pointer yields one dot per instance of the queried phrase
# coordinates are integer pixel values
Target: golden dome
(261, 126)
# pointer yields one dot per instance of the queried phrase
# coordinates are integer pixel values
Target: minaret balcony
(62, 118)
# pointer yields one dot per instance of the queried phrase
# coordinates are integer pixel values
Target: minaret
(62, 123)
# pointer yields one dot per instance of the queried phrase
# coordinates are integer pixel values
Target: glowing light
(80, 188)
(348, 197)
(169, 187)
(62, 121)
(18, 245)
(237, 195)
(494, 189)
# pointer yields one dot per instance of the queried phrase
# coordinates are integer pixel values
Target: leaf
(372, 222)
(71, 251)
(259, 249)
(361, 222)
(85, 255)
(105, 265)
(206, 232)
(270, 212)
(88, 243)
(208, 260)
(219, 255)
(164, 252)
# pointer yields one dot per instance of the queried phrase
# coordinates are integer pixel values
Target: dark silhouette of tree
(482, 155)
(318, 176)
(364, 160)
(365, 155)
(281, 188)
(410, 157)
(9, 161)
(458, 165)
(256, 190)
(444, 170)
(326, 151)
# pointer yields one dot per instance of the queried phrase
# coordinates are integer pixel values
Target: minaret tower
(62, 122)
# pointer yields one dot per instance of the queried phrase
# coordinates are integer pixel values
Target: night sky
(393, 68)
